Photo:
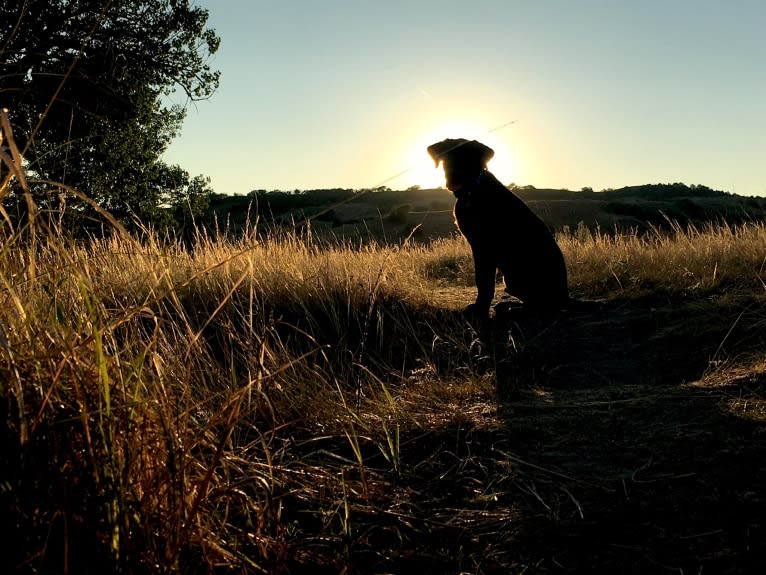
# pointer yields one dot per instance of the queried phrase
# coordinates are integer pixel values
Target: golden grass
(163, 390)
(715, 257)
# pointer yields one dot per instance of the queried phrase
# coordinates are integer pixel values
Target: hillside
(425, 215)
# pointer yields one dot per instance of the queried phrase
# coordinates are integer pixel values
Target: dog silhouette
(502, 231)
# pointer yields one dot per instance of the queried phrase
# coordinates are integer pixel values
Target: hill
(426, 214)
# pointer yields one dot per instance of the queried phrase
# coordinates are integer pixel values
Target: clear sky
(570, 93)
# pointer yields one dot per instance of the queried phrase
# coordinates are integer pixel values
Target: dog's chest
(487, 215)
(468, 216)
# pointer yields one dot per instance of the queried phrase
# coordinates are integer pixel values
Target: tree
(87, 83)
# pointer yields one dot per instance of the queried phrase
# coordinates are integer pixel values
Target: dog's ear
(434, 150)
(459, 146)
(440, 150)
(484, 153)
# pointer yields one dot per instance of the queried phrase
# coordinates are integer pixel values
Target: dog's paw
(506, 311)
(476, 312)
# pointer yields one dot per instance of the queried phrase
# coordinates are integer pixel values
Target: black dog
(502, 232)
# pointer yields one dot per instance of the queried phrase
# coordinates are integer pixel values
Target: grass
(278, 404)
(688, 259)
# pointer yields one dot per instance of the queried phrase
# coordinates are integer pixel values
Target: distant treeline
(644, 207)
(646, 192)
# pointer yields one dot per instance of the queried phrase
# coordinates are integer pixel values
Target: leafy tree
(190, 201)
(87, 83)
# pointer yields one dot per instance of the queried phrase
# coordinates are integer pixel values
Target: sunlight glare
(421, 170)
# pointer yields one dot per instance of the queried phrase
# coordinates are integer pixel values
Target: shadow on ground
(619, 441)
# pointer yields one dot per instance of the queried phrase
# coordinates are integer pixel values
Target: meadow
(278, 404)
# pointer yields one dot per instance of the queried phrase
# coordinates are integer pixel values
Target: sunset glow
(420, 168)
(650, 92)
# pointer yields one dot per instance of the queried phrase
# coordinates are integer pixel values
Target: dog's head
(463, 161)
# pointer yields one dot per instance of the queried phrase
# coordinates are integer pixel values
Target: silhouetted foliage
(399, 214)
(278, 202)
(86, 81)
(635, 208)
(650, 192)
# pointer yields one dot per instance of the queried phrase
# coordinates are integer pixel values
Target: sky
(569, 93)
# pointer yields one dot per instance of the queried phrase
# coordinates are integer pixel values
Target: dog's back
(503, 229)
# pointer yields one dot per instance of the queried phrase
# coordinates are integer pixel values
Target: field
(273, 403)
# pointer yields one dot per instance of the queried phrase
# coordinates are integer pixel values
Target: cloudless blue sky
(570, 93)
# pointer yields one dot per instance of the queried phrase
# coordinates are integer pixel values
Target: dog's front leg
(484, 273)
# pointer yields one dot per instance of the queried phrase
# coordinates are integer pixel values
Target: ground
(624, 438)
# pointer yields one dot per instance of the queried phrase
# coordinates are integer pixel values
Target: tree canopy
(88, 85)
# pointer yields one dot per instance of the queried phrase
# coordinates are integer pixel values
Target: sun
(421, 170)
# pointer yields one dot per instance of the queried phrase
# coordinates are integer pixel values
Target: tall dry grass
(160, 402)
(150, 389)
(686, 259)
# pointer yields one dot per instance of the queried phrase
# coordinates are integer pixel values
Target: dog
(502, 231)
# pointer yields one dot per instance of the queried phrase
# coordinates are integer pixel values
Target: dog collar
(465, 191)
(477, 183)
